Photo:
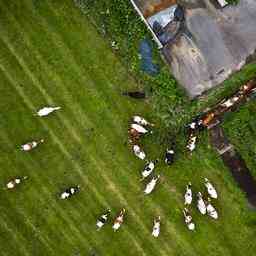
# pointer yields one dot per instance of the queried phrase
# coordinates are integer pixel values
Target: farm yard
(52, 55)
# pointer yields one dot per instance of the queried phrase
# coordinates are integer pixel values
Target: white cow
(30, 145)
(211, 211)
(230, 102)
(201, 204)
(210, 189)
(188, 219)
(148, 169)
(141, 121)
(156, 227)
(14, 182)
(138, 152)
(192, 125)
(151, 185)
(188, 195)
(47, 110)
(139, 128)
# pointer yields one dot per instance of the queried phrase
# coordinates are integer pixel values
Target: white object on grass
(201, 204)
(47, 110)
(151, 185)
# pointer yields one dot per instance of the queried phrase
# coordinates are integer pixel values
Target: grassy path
(51, 55)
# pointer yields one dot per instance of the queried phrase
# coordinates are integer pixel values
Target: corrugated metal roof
(151, 7)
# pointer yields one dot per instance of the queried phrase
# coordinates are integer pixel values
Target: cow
(188, 219)
(211, 211)
(139, 128)
(139, 152)
(156, 227)
(11, 184)
(191, 143)
(151, 185)
(141, 121)
(101, 221)
(119, 220)
(69, 192)
(46, 111)
(188, 194)
(148, 168)
(30, 145)
(169, 156)
(210, 189)
(201, 204)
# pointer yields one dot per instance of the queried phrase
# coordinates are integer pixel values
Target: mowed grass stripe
(61, 30)
(66, 154)
(61, 145)
(13, 234)
(63, 148)
(112, 183)
(94, 162)
(15, 218)
(109, 182)
(42, 191)
(67, 218)
(49, 99)
(59, 34)
(20, 216)
(62, 212)
(80, 71)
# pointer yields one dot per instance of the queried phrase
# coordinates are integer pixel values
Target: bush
(233, 1)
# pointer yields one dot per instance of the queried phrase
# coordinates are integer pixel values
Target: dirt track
(233, 160)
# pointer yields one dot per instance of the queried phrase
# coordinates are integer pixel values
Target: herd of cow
(70, 191)
(204, 206)
(212, 117)
(139, 127)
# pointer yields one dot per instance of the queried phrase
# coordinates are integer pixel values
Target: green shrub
(233, 1)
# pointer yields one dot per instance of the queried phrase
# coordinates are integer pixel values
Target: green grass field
(51, 55)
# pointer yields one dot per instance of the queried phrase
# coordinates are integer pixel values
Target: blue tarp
(147, 64)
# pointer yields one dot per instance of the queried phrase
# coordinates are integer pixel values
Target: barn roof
(208, 46)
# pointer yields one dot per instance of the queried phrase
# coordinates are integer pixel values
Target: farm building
(202, 42)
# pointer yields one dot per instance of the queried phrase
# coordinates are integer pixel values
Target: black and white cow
(169, 156)
(102, 219)
(70, 192)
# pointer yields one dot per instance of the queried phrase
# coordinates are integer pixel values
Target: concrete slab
(215, 43)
